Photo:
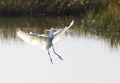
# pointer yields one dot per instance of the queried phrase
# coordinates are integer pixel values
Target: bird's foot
(60, 57)
(51, 61)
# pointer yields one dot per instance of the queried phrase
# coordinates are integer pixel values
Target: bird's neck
(50, 35)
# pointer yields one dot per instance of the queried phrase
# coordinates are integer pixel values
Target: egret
(44, 41)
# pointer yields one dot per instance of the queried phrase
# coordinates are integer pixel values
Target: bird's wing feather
(32, 39)
(58, 34)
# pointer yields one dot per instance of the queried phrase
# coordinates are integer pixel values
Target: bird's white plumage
(41, 39)
(46, 42)
(58, 33)
(31, 39)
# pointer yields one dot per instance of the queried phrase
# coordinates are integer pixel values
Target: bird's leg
(56, 53)
(50, 57)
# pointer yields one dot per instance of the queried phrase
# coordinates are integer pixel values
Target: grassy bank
(99, 17)
(97, 14)
(107, 20)
(8, 26)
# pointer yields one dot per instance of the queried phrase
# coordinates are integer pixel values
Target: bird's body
(46, 42)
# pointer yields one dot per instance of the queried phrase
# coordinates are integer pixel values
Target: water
(88, 57)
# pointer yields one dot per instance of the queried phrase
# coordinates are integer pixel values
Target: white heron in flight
(45, 41)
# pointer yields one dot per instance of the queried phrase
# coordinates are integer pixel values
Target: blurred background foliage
(56, 7)
(95, 17)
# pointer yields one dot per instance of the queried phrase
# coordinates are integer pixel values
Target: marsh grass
(101, 17)
(50, 7)
(106, 20)
(105, 23)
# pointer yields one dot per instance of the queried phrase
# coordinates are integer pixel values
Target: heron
(44, 41)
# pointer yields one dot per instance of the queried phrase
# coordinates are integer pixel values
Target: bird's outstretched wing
(33, 39)
(58, 33)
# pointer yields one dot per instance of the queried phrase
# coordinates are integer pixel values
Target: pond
(89, 56)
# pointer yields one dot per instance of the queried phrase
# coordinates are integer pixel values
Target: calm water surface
(88, 56)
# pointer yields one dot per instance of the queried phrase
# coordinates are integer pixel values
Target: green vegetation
(40, 7)
(97, 14)
(104, 23)
(52, 7)
(99, 17)
(8, 26)
(107, 20)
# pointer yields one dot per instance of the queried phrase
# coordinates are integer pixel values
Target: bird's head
(52, 30)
